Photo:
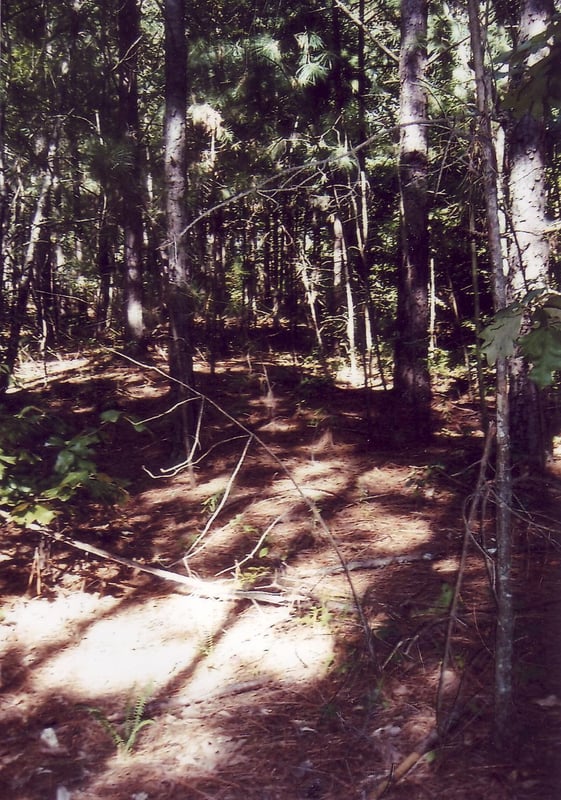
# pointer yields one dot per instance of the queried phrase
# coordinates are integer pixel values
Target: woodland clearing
(261, 672)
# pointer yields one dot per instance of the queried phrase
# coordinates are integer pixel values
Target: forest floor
(263, 674)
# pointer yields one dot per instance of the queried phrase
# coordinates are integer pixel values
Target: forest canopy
(330, 193)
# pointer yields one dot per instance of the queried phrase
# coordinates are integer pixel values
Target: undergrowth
(125, 735)
(48, 466)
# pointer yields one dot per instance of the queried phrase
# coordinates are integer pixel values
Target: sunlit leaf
(499, 337)
(111, 415)
(311, 73)
(43, 514)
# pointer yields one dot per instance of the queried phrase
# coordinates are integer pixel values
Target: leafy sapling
(539, 339)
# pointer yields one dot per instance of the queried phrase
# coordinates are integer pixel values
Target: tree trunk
(528, 252)
(411, 379)
(4, 204)
(131, 206)
(505, 612)
(179, 295)
(18, 309)
(105, 267)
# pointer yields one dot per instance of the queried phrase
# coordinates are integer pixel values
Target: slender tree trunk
(216, 290)
(179, 295)
(105, 269)
(528, 253)
(4, 204)
(505, 611)
(19, 306)
(336, 298)
(43, 284)
(131, 207)
(474, 261)
(411, 378)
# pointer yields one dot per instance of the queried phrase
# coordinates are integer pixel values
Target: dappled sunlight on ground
(274, 674)
(116, 649)
(264, 644)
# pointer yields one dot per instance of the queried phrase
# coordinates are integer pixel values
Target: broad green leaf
(499, 337)
(542, 348)
(112, 415)
(55, 441)
(83, 441)
(75, 478)
(43, 514)
(28, 513)
(64, 462)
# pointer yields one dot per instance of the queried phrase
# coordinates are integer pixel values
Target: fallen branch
(425, 746)
(383, 561)
(210, 590)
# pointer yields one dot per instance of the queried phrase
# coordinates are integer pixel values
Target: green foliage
(46, 468)
(538, 87)
(314, 61)
(542, 348)
(250, 576)
(500, 336)
(124, 737)
(210, 504)
(314, 386)
(423, 478)
(316, 615)
(444, 600)
(540, 341)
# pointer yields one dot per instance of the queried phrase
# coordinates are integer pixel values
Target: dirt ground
(252, 666)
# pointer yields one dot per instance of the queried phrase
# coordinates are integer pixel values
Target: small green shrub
(312, 387)
(47, 467)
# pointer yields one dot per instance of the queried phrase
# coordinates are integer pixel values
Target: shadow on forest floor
(255, 673)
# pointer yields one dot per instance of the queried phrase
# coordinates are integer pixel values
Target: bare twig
(195, 549)
(210, 590)
(366, 30)
(468, 535)
(298, 489)
(171, 472)
(255, 548)
(406, 765)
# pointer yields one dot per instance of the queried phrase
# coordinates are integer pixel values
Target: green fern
(124, 736)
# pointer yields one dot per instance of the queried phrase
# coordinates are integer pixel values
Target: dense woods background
(366, 185)
(314, 171)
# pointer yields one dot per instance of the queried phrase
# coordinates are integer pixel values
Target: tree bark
(23, 284)
(411, 374)
(179, 295)
(528, 252)
(505, 611)
(131, 205)
(4, 204)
